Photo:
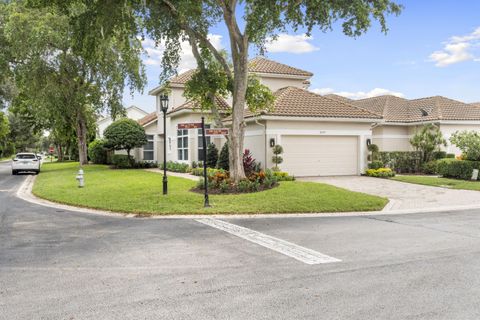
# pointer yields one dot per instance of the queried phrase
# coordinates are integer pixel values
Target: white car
(26, 162)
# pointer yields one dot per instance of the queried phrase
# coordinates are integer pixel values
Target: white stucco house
(320, 135)
(131, 112)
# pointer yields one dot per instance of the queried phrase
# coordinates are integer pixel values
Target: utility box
(475, 174)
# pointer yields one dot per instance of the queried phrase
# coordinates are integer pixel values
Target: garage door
(320, 155)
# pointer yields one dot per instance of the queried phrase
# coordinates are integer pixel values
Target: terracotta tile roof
(258, 64)
(296, 102)
(191, 105)
(148, 118)
(477, 104)
(391, 108)
(183, 77)
(264, 65)
(339, 98)
(395, 109)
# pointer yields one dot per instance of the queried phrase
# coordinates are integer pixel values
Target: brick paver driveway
(404, 196)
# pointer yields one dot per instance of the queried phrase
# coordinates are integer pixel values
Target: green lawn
(440, 182)
(138, 191)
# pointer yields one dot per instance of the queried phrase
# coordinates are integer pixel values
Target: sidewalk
(175, 174)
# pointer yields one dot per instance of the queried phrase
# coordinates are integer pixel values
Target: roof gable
(264, 65)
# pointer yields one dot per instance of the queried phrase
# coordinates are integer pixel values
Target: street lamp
(164, 108)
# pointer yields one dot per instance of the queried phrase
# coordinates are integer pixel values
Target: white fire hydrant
(79, 177)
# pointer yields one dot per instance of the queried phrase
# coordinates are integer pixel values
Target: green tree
(4, 131)
(61, 83)
(223, 159)
(125, 134)
(212, 155)
(428, 140)
(171, 22)
(468, 142)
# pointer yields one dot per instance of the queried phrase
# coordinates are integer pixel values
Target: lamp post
(164, 108)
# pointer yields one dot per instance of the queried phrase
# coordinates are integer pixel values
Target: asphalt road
(67, 265)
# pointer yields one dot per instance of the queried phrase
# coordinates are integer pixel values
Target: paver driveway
(404, 196)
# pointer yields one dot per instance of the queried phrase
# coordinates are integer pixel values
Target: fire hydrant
(79, 177)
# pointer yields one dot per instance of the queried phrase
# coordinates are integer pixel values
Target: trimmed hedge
(457, 169)
(380, 173)
(176, 167)
(97, 152)
(121, 161)
(401, 161)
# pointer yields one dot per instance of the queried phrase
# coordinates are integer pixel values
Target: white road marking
(292, 250)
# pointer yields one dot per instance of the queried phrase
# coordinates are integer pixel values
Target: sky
(432, 48)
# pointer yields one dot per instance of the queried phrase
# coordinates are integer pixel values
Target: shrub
(176, 167)
(450, 156)
(122, 161)
(249, 162)
(401, 161)
(223, 161)
(437, 155)
(97, 152)
(194, 164)
(199, 171)
(212, 155)
(277, 159)
(430, 167)
(428, 140)
(457, 169)
(469, 143)
(380, 173)
(375, 165)
(373, 148)
(283, 176)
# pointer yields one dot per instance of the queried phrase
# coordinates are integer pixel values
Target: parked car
(25, 162)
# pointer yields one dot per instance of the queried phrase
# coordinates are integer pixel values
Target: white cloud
(359, 94)
(291, 43)
(457, 49)
(154, 53)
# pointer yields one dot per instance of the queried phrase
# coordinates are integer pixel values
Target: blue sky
(432, 48)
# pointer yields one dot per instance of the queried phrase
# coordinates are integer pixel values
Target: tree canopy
(125, 134)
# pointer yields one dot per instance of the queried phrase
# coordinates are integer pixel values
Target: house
(402, 118)
(320, 135)
(131, 112)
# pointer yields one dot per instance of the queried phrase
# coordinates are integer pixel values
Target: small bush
(457, 169)
(249, 163)
(283, 176)
(122, 161)
(402, 161)
(194, 164)
(380, 173)
(176, 167)
(430, 167)
(212, 155)
(437, 155)
(450, 156)
(223, 161)
(97, 152)
(375, 165)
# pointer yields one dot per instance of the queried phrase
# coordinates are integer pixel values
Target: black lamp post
(164, 108)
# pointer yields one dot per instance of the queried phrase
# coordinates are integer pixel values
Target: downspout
(265, 140)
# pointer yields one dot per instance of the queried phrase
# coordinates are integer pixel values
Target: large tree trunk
(237, 172)
(82, 139)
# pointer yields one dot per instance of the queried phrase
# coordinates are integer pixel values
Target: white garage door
(320, 155)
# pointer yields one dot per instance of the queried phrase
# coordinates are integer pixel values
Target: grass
(138, 191)
(440, 182)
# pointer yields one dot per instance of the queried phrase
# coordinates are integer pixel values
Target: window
(182, 144)
(148, 148)
(200, 143)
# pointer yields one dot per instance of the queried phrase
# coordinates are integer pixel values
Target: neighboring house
(320, 135)
(132, 112)
(402, 118)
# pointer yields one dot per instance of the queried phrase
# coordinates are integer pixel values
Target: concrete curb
(25, 193)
